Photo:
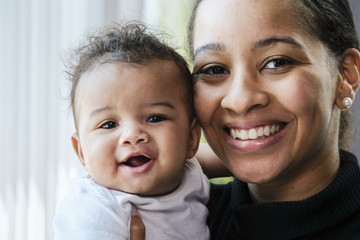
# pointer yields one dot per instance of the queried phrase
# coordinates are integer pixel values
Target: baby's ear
(195, 134)
(349, 77)
(75, 141)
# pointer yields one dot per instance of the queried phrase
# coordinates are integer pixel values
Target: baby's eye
(109, 125)
(278, 63)
(156, 118)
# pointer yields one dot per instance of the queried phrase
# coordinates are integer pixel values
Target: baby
(136, 135)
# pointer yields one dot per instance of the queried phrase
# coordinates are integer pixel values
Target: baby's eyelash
(154, 118)
(109, 125)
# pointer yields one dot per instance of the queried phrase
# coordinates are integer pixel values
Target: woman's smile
(256, 139)
(255, 133)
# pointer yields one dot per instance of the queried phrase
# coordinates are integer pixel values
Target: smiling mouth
(136, 161)
(255, 133)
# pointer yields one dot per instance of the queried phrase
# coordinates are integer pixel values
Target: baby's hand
(137, 227)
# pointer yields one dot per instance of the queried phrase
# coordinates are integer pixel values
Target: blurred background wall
(36, 157)
(355, 5)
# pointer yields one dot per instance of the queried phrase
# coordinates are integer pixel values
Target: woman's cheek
(204, 102)
(298, 93)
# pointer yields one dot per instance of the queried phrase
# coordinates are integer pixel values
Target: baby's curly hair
(131, 43)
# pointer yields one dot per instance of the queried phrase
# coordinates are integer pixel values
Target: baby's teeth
(252, 134)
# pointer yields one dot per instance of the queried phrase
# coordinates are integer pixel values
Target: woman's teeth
(255, 133)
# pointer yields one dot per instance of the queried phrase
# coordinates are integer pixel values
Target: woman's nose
(243, 94)
(133, 134)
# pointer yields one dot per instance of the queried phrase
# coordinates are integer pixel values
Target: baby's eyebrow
(273, 40)
(165, 104)
(215, 47)
(99, 110)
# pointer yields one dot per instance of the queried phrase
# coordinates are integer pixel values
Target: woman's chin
(258, 170)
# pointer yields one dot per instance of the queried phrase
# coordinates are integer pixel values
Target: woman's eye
(278, 63)
(156, 118)
(109, 125)
(212, 71)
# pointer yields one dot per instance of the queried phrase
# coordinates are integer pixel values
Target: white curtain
(36, 157)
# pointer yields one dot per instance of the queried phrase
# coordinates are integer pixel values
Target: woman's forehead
(244, 19)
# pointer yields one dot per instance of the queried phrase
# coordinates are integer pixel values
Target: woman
(273, 82)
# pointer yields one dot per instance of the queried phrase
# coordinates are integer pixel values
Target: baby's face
(134, 129)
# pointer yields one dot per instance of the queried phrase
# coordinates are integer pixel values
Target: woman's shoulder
(220, 190)
(346, 156)
(220, 219)
(220, 196)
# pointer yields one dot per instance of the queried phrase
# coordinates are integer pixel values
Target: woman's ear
(195, 134)
(349, 77)
(75, 141)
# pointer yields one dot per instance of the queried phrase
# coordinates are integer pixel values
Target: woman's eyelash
(211, 70)
(272, 63)
(279, 62)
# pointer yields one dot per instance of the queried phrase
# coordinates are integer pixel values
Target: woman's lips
(260, 132)
(257, 138)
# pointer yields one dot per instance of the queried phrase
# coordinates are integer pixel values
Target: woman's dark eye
(156, 118)
(214, 70)
(278, 63)
(210, 71)
(109, 125)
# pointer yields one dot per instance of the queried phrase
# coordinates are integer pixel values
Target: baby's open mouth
(136, 161)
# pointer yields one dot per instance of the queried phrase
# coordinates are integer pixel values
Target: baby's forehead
(158, 76)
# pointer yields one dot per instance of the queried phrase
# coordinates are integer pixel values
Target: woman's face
(264, 89)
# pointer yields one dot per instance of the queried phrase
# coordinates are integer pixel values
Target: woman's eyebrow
(218, 47)
(215, 47)
(274, 40)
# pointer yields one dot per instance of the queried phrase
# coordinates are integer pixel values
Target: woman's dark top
(334, 213)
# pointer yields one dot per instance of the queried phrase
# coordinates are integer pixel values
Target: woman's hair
(128, 43)
(331, 21)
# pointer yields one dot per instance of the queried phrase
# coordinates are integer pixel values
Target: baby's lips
(136, 161)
